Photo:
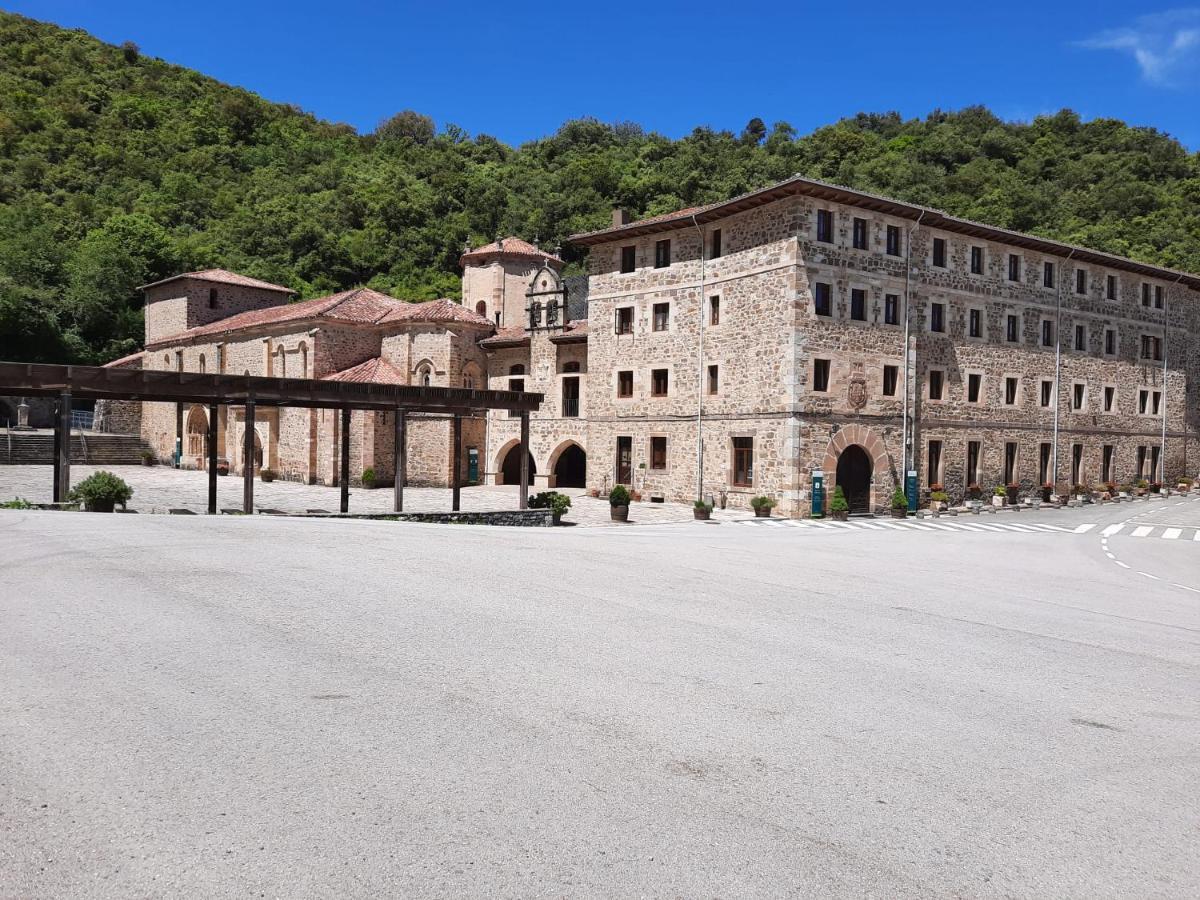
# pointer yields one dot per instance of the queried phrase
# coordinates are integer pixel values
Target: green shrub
(368, 477)
(700, 504)
(101, 491)
(939, 497)
(899, 498)
(999, 491)
(618, 496)
(552, 500)
(761, 502)
(16, 503)
(838, 504)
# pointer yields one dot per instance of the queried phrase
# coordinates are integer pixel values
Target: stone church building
(728, 351)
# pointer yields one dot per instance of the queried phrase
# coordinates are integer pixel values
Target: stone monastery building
(729, 351)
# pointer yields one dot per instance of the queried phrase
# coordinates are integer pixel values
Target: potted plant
(552, 500)
(999, 493)
(368, 478)
(222, 467)
(702, 510)
(618, 503)
(1155, 487)
(974, 492)
(938, 500)
(1013, 493)
(839, 509)
(148, 457)
(763, 506)
(101, 491)
(267, 474)
(900, 503)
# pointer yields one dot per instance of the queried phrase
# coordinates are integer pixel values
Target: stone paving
(158, 489)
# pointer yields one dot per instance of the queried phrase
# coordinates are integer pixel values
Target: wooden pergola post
(55, 468)
(248, 460)
(62, 461)
(455, 479)
(178, 455)
(344, 479)
(212, 459)
(401, 455)
(524, 459)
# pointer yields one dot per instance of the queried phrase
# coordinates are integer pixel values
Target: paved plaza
(208, 706)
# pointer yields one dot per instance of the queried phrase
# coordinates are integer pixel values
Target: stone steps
(37, 449)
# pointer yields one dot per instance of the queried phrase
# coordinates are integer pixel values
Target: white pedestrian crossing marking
(1172, 533)
(961, 525)
(1142, 531)
(1113, 529)
(1084, 529)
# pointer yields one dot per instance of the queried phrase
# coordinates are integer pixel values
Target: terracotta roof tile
(125, 362)
(376, 370)
(510, 336)
(222, 276)
(435, 311)
(510, 246)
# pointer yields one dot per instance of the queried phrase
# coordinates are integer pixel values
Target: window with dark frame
(973, 462)
(1110, 287)
(662, 254)
(1048, 274)
(1077, 464)
(939, 252)
(1011, 329)
(1110, 341)
(715, 244)
(1044, 451)
(624, 320)
(822, 301)
(858, 305)
(1106, 463)
(628, 259)
(933, 463)
(714, 379)
(824, 226)
(891, 309)
(1047, 333)
(1110, 395)
(212, 298)
(893, 240)
(714, 310)
(1014, 267)
(1141, 462)
(658, 452)
(891, 376)
(659, 382)
(1047, 394)
(1158, 296)
(937, 317)
(662, 316)
(821, 375)
(743, 462)
(625, 384)
(936, 382)
(1156, 397)
(1078, 396)
(976, 260)
(860, 234)
(1010, 391)
(570, 397)
(974, 386)
(975, 323)
(1145, 293)
(1143, 401)
(1010, 462)
(1080, 338)
(1081, 281)
(1154, 471)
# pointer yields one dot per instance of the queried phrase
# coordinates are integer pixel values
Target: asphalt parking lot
(207, 706)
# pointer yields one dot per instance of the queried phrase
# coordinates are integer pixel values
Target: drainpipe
(1057, 370)
(700, 370)
(1162, 452)
(906, 426)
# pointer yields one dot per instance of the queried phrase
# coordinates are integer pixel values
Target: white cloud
(1165, 45)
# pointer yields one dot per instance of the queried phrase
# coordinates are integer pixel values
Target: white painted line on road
(1172, 534)
(867, 525)
(939, 526)
(1142, 531)
(1121, 564)
(1186, 587)
(1084, 529)
(1113, 529)
(821, 524)
(841, 525)
(901, 527)
(1148, 575)
(1110, 555)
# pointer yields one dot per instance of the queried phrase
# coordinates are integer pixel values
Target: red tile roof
(362, 306)
(510, 336)
(575, 332)
(510, 246)
(376, 370)
(125, 362)
(222, 276)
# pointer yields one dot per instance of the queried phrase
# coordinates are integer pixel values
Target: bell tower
(497, 277)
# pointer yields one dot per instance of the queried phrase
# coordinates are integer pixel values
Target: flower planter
(267, 479)
(998, 502)
(763, 512)
(900, 513)
(104, 506)
(839, 515)
(148, 460)
(701, 515)
(619, 513)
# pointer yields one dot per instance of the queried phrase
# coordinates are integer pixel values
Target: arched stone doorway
(196, 440)
(570, 469)
(510, 468)
(854, 477)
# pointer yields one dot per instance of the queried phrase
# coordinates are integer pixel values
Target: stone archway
(870, 444)
(569, 465)
(508, 465)
(854, 476)
(196, 437)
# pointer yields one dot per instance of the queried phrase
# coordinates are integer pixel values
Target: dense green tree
(117, 169)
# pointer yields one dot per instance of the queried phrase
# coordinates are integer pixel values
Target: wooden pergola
(67, 383)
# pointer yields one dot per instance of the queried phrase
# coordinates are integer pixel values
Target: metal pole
(64, 447)
(906, 425)
(344, 479)
(399, 455)
(212, 459)
(1057, 372)
(524, 459)
(248, 459)
(700, 371)
(454, 475)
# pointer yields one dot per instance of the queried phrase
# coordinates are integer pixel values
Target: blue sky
(517, 71)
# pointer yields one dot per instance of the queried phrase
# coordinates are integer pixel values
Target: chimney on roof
(620, 217)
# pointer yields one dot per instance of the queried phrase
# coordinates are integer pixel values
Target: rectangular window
(570, 397)
(1143, 401)
(893, 240)
(821, 375)
(1110, 287)
(1151, 347)
(1154, 476)
(715, 244)
(860, 234)
(658, 453)
(1110, 341)
(972, 462)
(628, 259)
(1076, 464)
(743, 462)
(939, 252)
(824, 226)
(625, 384)
(822, 302)
(1010, 391)
(1044, 464)
(933, 463)
(937, 317)
(975, 323)
(1081, 338)
(936, 381)
(662, 316)
(624, 471)
(1158, 296)
(976, 260)
(1145, 294)
(1156, 398)
(1081, 281)
(1014, 267)
(662, 254)
(1110, 397)
(714, 379)
(1106, 463)
(1078, 397)
(858, 305)
(1047, 392)
(890, 377)
(1011, 329)
(714, 310)
(624, 320)
(212, 298)
(658, 382)
(1048, 274)
(1141, 462)
(974, 383)
(1010, 462)
(891, 309)
(1047, 333)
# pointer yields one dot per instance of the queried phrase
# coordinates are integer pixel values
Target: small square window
(860, 234)
(939, 252)
(824, 226)
(624, 320)
(658, 382)
(858, 305)
(662, 254)
(822, 300)
(658, 453)
(936, 382)
(937, 317)
(625, 384)
(891, 375)
(662, 316)
(891, 309)
(976, 260)
(821, 375)
(628, 259)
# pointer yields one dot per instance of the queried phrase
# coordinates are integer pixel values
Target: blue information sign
(818, 494)
(910, 491)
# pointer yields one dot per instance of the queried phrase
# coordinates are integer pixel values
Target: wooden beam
(344, 479)
(212, 459)
(63, 462)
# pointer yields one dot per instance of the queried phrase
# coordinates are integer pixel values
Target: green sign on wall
(818, 494)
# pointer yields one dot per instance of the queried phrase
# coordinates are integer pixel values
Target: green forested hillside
(117, 169)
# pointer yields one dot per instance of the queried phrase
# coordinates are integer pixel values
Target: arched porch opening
(854, 476)
(196, 436)
(569, 465)
(867, 462)
(508, 466)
